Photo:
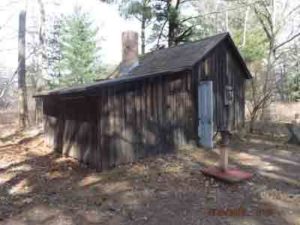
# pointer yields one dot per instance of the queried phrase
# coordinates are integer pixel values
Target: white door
(205, 114)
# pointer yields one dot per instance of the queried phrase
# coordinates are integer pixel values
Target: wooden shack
(174, 96)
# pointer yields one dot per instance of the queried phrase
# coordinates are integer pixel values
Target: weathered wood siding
(213, 67)
(125, 122)
(80, 129)
(237, 80)
(222, 68)
(53, 123)
(144, 118)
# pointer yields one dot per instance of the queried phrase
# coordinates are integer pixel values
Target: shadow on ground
(40, 187)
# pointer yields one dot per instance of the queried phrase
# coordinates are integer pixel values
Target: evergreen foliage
(79, 50)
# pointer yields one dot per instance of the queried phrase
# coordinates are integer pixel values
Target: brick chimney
(129, 52)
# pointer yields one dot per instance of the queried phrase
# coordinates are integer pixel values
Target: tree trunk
(22, 92)
(251, 123)
(172, 7)
(170, 34)
(245, 27)
(267, 82)
(226, 20)
(43, 53)
(43, 62)
(143, 35)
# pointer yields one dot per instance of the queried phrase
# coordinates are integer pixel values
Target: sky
(105, 16)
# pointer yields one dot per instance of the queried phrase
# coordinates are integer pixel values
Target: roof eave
(109, 83)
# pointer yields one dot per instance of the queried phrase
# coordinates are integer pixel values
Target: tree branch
(218, 12)
(287, 41)
(10, 81)
(258, 14)
(184, 34)
(292, 11)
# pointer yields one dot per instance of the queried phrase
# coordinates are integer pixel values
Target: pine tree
(170, 25)
(79, 50)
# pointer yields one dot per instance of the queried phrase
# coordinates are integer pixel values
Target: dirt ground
(40, 187)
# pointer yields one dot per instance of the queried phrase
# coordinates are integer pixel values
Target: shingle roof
(163, 61)
(176, 58)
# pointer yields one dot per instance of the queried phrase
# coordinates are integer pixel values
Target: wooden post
(224, 158)
(223, 163)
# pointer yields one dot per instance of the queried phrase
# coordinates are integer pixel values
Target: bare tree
(22, 90)
(245, 27)
(266, 13)
(257, 97)
(42, 47)
(43, 62)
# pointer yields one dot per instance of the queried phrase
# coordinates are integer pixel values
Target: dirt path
(39, 187)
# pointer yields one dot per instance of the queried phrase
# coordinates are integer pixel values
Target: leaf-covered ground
(40, 187)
